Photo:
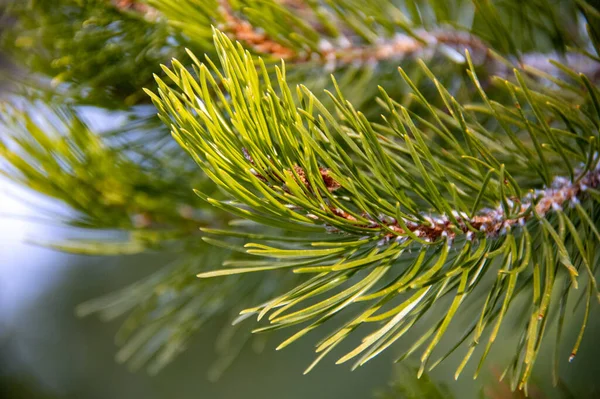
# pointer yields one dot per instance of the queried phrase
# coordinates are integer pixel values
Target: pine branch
(491, 222)
(389, 218)
(344, 52)
(274, 157)
(326, 37)
(329, 34)
(361, 48)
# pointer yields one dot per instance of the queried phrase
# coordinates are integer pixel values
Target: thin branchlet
(343, 51)
(346, 49)
(489, 222)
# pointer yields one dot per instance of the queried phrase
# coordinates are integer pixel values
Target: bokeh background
(47, 352)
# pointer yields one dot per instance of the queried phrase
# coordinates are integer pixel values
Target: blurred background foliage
(47, 352)
(109, 185)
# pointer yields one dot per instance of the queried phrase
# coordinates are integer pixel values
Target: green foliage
(269, 150)
(302, 26)
(116, 185)
(93, 52)
(378, 194)
(362, 43)
(60, 157)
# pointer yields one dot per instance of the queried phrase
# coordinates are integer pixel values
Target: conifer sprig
(428, 203)
(474, 189)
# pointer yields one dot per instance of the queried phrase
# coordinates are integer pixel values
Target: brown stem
(243, 31)
(490, 222)
(343, 51)
(495, 222)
